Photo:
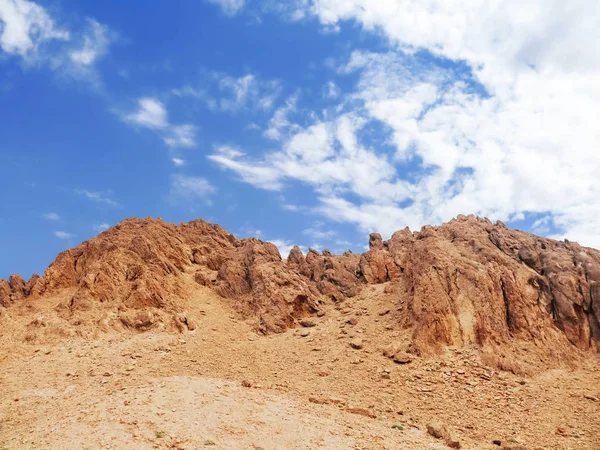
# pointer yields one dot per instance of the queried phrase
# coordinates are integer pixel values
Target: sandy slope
(159, 390)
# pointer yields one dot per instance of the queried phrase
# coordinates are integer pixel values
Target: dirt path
(222, 386)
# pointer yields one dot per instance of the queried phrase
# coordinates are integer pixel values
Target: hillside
(174, 336)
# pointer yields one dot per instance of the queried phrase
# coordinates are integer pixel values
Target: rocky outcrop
(467, 282)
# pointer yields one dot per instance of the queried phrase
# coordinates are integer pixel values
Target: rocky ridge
(468, 282)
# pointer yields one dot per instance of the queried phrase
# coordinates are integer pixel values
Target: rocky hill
(468, 282)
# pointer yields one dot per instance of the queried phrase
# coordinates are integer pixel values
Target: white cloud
(501, 123)
(280, 124)
(98, 197)
(191, 188)
(284, 246)
(248, 92)
(95, 44)
(261, 175)
(28, 31)
(25, 26)
(63, 235)
(181, 136)
(51, 216)
(319, 234)
(101, 227)
(331, 90)
(229, 7)
(178, 162)
(152, 114)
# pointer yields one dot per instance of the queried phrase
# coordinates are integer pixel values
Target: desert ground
(323, 385)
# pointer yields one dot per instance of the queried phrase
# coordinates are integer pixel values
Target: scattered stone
(326, 401)
(452, 440)
(352, 321)
(438, 430)
(591, 397)
(497, 442)
(304, 333)
(246, 384)
(308, 323)
(384, 312)
(356, 343)
(361, 412)
(393, 348)
(402, 358)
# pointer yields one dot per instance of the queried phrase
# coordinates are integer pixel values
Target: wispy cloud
(259, 174)
(51, 216)
(191, 188)
(181, 136)
(96, 41)
(26, 26)
(331, 90)
(284, 246)
(152, 114)
(98, 197)
(465, 131)
(229, 7)
(63, 235)
(101, 227)
(178, 162)
(28, 31)
(225, 93)
(319, 234)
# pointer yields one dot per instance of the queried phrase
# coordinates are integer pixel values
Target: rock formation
(467, 282)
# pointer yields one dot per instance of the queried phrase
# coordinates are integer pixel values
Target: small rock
(352, 321)
(452, 440)
(436, 429)
(320, 313)
(326, 401)
(402, 358)
(308, 323)
(361, 412)
(393, 348)
(356, 343)
(304, 333)
(384, 312)
(107, 374)
(591, 397)
(246, 384)
(497, 442)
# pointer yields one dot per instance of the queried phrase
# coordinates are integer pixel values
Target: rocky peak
(466, 282)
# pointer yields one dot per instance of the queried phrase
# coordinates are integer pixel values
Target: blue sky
(312, 123)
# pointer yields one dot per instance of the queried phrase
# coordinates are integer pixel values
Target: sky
(309, 122)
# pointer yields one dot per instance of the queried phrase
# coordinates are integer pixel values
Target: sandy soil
(223, 386)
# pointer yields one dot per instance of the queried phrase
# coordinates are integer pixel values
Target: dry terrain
(223, 385)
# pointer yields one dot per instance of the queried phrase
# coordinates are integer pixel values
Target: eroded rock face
(467, 282)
